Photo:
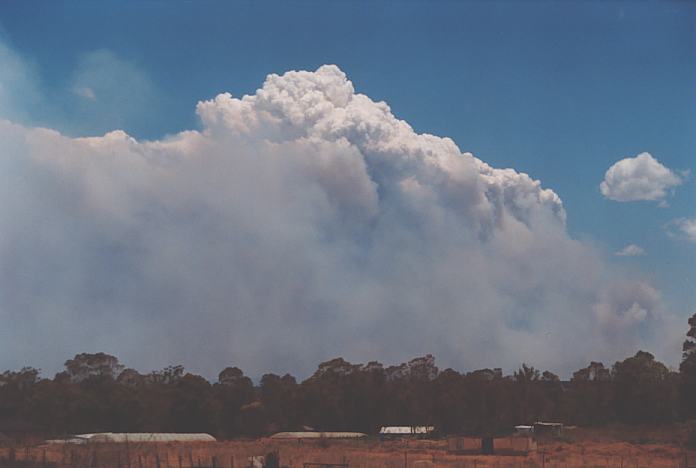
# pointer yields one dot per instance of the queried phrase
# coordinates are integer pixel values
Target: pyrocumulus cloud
(302, 222)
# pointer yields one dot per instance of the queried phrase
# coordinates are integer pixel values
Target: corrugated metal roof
(405, 430)
(318, 435)
(120, 437)
(71, 440)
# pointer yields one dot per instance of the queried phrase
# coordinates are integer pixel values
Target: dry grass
(608, 447)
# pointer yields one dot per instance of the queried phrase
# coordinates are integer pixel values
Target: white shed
(139, 437)
(405, 430)
(524, 430)
(318, 435)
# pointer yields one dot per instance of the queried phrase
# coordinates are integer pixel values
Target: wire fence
(221, 455)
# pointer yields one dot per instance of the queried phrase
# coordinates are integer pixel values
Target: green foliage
(687, 370)
(87, 366)
(96, 393)
(644, 390)
(591, 398)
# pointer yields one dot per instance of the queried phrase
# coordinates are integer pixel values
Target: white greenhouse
(134, 437)
(318, 435)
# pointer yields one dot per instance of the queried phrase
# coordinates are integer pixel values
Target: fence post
(128, 458)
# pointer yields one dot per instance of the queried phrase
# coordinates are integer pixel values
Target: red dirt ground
(608, 447)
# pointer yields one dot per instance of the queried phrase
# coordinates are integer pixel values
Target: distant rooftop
(406, 430)
(318, 435)
(119, 437)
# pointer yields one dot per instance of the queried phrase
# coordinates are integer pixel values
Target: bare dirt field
(607, 447)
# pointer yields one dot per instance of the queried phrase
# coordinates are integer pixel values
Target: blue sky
(559, 90)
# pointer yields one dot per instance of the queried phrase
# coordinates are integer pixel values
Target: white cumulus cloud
(683, 228)
(85, 92)
(631, 250)
(302, 222)
(639, 178)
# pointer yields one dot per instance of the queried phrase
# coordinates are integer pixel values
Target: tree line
(95, 393)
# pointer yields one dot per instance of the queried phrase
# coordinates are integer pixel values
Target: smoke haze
(301, 223)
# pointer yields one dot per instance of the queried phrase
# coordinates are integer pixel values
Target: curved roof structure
(121, 437)
(318, 435)
(406, 430)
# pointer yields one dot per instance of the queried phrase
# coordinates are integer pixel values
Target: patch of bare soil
(607, 447)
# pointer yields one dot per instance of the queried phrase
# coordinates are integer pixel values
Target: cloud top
(639, 178)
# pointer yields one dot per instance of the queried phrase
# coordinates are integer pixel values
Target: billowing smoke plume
(302, 223)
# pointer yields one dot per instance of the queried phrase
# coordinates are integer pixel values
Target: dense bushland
(96, 393)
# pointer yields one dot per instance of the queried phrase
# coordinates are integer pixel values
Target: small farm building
(465, 445)
(491, 446)
(135, 437)
(318, 435)
(513, 445)
(548, 428)
(524, 430)
(68, 440)
(403, 431)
